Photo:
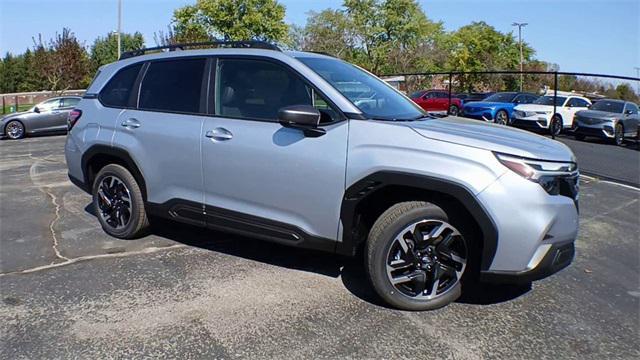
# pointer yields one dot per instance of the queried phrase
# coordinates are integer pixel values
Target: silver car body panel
(272, 172)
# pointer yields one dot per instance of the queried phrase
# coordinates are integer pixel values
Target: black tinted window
(575, 102)
(173, 85)
(119, 88)
(632, 107)
(256, 89)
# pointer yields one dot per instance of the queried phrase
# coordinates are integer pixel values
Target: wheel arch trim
(115, 152)
(368, 185)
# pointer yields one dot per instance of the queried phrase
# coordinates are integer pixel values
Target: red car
(437, 101)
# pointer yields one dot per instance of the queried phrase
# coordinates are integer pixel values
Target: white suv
(541, 116)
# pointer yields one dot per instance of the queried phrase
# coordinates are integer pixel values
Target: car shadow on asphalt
(350, 270)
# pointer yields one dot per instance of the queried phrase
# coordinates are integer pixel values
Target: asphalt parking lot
(67, 290)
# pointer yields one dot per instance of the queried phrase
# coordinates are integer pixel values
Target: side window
(257, 89)
(173, 85)
(430, 95)
(328, 113)
(633, 108)
(577, 102)
(117, 91)
(443, 95)
(531, 99)
(49, 105)
(70, 102)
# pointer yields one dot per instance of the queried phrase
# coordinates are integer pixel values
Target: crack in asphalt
(70, 261)
(53, 222)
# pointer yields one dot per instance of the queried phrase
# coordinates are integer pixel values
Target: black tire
(555, 127)
(502, 117)
(137, 222)
(454, 110)
(379, 250)
(14, 130)
(579, 137)
(618, 135)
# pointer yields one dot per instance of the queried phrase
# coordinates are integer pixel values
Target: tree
(231, 20)
(63, 61)
(328, 31)
(105, 49)
(480, 47)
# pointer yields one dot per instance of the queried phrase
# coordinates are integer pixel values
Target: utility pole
(520, 26)
(119, 28)
(638, 76)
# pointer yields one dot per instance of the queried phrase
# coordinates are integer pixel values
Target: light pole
(638, 76)
(119, 28)
(520, 26)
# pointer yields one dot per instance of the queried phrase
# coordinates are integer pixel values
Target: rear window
(118, 90)
(173, 86)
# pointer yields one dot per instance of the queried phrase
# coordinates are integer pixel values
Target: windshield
(375, 98)
(548, 100)
(608, 106)
(501, 97)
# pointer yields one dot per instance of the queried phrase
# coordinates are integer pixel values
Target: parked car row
(609, 119)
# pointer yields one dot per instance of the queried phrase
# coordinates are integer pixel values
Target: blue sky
(584, 36)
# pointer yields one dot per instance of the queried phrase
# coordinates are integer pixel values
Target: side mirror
(302, 117)
(628, 112)
(36, 109)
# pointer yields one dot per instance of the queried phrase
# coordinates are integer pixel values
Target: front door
(261, 177)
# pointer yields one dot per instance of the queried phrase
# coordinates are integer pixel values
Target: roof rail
(249, 44)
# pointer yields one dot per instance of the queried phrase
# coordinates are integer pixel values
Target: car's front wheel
(555, 128)
(502, 118)
(618, 137)
(118, 203)
(14, 130)
(415, 258)
(454, 110)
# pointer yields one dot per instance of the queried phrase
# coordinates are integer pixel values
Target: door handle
(130, 123)
(219, 134)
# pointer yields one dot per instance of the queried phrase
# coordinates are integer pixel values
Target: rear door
(261, 177)
(162, 132)
(66, 105)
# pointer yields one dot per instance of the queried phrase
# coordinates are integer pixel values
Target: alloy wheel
(114, 202)
(619, 135)
(426, 259)
(15, 130)
(502, 118)
(556, 126)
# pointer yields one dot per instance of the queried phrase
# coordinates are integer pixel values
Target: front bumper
(485, 115)
(557, 257)
(603, 130)
(530, 123)
(533, 227)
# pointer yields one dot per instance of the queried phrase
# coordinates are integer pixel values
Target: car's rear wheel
(118, 203)
(14, 130)
(555, 128)
(502, 118)
(415, 258)
(454, 110)
(618, 137)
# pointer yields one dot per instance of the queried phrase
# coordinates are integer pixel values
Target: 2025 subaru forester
(306, 150)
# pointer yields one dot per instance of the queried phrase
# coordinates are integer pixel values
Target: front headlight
(547, 174)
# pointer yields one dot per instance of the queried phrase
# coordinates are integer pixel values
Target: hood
(487, 104)
(14, 115)
(498, 138)
(597, 114)
(535, 107)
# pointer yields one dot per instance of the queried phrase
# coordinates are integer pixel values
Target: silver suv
(307, 150)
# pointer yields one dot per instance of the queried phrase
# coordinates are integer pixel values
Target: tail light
(73, 118)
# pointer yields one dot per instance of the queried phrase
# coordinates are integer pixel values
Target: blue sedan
(498, 107)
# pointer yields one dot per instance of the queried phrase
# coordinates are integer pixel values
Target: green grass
(21, 107)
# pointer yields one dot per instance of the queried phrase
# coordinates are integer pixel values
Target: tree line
(382, 36)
